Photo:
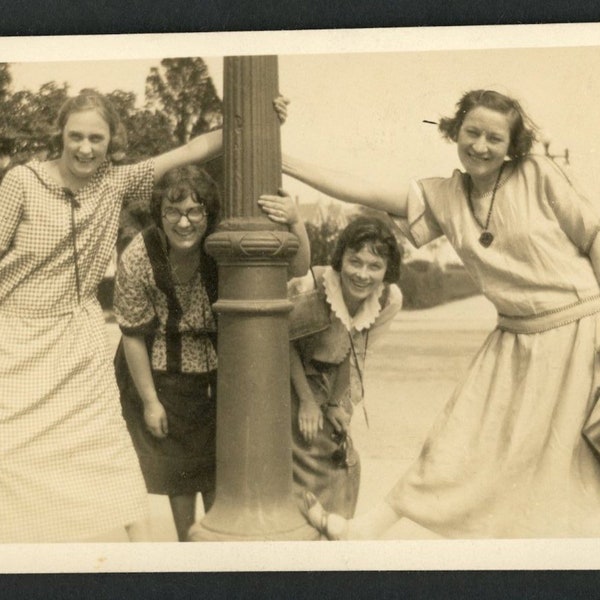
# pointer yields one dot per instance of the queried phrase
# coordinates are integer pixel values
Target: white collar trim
(368, 311)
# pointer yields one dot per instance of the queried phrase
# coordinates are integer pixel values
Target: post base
(305, 532)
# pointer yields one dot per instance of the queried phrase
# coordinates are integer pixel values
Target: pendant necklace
(486, 237)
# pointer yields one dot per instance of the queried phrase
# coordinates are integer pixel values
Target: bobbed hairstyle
(177, 185)
(522, 128)
(89, 99)
(374, 234)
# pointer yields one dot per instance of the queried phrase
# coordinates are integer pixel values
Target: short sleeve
(139, 182)
(420, 225)
(133, 306)
(577, 216)
(11, 208)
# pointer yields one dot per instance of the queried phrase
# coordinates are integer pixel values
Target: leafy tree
(6, 142)
(148, 133)
(5, 81)
(181, 102)
(323, 238)
(29, 118)
(183, 91)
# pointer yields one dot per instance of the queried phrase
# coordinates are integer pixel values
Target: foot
(332, 526)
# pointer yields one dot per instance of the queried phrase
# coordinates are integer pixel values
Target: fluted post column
(254, 463)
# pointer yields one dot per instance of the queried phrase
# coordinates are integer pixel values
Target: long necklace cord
(360, 372)
(74, 204)
(486, 237)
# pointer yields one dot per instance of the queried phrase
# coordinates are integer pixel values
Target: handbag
(310, 313)
(591, 428)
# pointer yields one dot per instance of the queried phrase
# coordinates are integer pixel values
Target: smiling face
(361, 274)
(483, 142)
(86, 136)
(185, 235)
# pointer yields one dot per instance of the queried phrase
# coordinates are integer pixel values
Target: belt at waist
(550, 319)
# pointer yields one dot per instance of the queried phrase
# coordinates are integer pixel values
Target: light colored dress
(506, 458)
(334, 361)
(68, 470)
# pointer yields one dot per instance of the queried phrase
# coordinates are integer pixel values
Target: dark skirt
(325, 468)
(185, 461)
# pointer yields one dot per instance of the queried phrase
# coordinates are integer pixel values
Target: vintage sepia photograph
(325, 299)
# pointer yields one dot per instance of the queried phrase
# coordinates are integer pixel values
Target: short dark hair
(177, 185)
(522, 130)
(89, 99)
(376, 235)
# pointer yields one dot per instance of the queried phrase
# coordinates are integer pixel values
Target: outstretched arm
(204, 147)
(346, 187)
(198, 150)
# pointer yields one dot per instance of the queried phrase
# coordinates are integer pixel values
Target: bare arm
(138, 362)
(204, 147)
(300, 263)
(310, 417)
(346, 187)
(594, 255)
(198, 150)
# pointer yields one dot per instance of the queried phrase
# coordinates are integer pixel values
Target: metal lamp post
(254, 499)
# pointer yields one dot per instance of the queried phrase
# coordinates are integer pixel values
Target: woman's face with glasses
(184, 223)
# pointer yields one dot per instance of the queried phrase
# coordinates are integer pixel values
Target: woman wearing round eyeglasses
(166, 367)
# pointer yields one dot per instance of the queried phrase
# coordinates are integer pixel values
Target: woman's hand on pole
(280, 209)
(280, 105)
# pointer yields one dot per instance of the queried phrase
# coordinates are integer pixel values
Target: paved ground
(410, 375)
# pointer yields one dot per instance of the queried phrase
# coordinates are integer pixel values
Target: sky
(363, 111)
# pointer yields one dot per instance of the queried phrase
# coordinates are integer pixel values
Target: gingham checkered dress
(68, 470)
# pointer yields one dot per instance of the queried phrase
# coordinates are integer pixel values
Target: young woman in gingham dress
(68, 470)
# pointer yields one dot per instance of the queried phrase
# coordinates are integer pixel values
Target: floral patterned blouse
(175, 318)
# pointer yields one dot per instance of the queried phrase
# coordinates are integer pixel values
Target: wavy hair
(177, 185)
(377, 236)
(89, 99)
(522, 128)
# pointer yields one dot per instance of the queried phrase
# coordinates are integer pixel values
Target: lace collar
(366, 314)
